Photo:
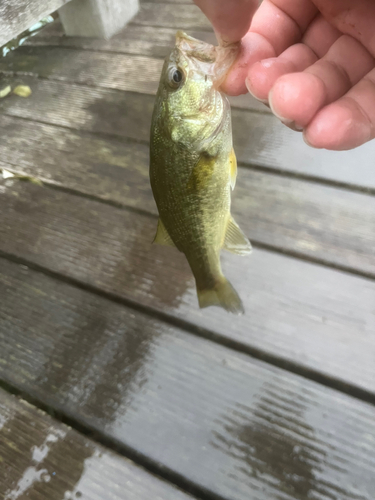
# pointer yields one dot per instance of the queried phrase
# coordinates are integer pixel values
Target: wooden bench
(94, 18)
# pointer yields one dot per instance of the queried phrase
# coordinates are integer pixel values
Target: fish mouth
(214, 61)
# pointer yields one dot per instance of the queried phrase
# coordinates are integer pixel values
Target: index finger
(277, 25)
(230, 20)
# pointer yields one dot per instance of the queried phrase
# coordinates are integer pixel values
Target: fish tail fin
(223, 295)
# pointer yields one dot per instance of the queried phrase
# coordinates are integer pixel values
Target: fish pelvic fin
(162, 237)
(235, 240)
(223, 295)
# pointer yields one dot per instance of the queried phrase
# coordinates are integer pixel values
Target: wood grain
(140, 40)
(313, 317)
(165, 15)
(90, 68)
(44, 459)
(259, 138)
(17, 16)
(314, 221)
(234, 426)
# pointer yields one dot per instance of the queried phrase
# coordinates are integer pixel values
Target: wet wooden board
(236, 427)
(67, 104)
(259, 138)
(90, 68)
(141, 40)
(165, 15)
(311, 317)
(41, 458)
(319, 222)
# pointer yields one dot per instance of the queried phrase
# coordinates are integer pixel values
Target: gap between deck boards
(194, 329)
(161, 472)
(255, 243)
(283, 396)
(250, 165)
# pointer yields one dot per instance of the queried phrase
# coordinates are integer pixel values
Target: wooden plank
(97, 18)
(235, 427)
(315, 318)
(139, 40)
(44, 459)
(260, 139)
(324, 223)
(17, 16)
(90, 68)
(135, 39)
(165, 15)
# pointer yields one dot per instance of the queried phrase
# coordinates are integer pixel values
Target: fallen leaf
(22, 91)
(4, 92)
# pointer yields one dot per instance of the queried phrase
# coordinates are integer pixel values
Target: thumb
(230, 19)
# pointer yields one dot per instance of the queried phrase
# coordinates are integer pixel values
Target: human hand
(312, 61)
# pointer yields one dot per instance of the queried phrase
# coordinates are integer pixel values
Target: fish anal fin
(162, 237)
(235, 240)
(233, 168)
(222, 295)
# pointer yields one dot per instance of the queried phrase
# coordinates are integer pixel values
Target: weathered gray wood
(311, 316)
(17, 16)
(308, 219)
(259, 138)
(139, 40)
(97, 18)
(144, 40)
(182, 16)
(44, 459)
(237, 427)
(91, 68)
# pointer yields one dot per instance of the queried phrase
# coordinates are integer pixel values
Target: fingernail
(264, 101)
(289, 123)
(307, 141)
(294, 126)
(270, 96)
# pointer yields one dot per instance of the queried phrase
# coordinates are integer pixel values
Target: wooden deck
(113, 384)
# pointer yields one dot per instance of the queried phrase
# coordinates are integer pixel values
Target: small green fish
(193, 166)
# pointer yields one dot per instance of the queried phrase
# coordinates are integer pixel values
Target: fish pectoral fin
(235, 241)
(233, 168)
(202, 173)
(162, 237)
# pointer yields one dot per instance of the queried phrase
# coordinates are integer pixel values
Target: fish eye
(175, 77)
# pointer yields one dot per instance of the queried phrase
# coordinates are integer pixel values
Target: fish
(193, 166)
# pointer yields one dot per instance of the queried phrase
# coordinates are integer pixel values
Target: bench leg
(97, 18)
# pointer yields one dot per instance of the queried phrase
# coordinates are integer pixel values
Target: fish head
(194, 107)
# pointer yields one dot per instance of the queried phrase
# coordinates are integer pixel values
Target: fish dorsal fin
(233, 168)
(162, 237)
(235, 240)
